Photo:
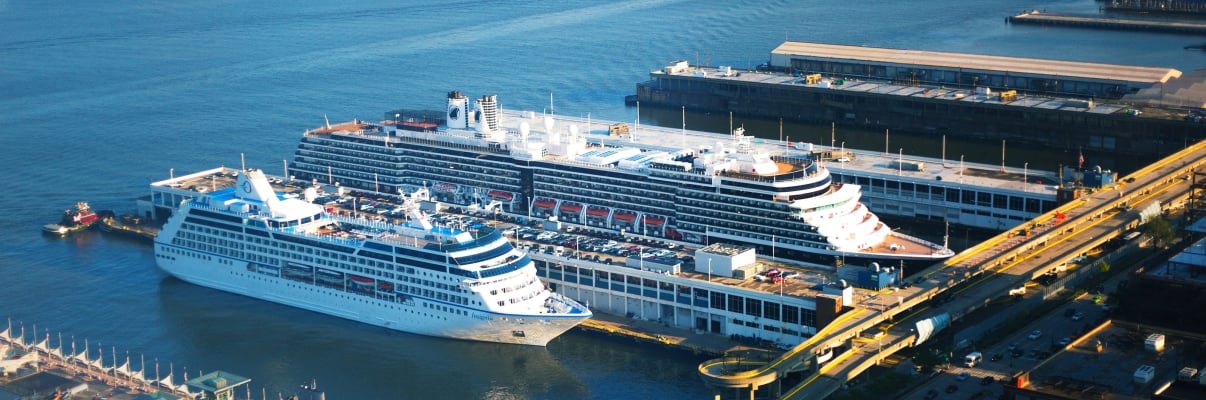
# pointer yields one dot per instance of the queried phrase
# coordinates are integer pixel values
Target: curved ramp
(730, 373)
(739, 373)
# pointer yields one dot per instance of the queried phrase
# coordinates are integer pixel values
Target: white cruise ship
(415, 277)
(683, 185)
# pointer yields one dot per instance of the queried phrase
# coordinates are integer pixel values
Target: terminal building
(717, 296)
(1106, 108)
(923, 67)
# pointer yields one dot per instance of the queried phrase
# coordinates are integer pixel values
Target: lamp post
(1025, 179)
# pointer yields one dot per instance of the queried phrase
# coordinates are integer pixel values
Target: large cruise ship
(431, 280)
(683, 185)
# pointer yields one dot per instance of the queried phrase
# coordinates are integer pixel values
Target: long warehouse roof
(1022, 66)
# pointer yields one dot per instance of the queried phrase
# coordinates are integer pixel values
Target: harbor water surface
(101, 98)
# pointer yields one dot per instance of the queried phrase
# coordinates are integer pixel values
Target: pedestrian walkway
(655, 332)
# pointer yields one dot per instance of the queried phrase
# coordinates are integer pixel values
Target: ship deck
(862, 162)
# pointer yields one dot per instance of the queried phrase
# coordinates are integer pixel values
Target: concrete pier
(1103, 22)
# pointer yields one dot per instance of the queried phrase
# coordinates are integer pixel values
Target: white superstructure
(693, 187)
(413, 277)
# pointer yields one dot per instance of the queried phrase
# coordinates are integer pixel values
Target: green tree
(1103, 267)
(1159, 229)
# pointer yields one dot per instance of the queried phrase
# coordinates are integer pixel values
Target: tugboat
(73, 220)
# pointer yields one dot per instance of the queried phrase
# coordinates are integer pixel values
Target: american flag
(1080, 162)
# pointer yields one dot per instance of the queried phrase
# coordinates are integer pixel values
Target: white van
(972, 359)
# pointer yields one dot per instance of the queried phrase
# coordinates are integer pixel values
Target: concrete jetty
(1108, 22)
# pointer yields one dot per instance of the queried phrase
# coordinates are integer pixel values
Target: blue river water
(101, 98)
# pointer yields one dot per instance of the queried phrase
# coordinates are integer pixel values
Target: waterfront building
(1127, 110)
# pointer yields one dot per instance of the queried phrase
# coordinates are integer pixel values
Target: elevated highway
(1009, 258)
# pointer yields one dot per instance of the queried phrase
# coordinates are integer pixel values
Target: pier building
(1127, 110)
(1059, 78)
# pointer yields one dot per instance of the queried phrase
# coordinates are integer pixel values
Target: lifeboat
(542, 202)
(653, 220)
(572, 208)
(329, 277)
(625, 215)
(360, 280)
(500, 195)
(385, 286)
(597, 211)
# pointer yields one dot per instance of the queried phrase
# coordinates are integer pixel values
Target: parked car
(988, 380)
(1035, 334)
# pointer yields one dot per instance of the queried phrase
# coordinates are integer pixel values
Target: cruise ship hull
(421, 316)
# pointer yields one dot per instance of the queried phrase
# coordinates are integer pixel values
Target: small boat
(73, 221)
(571, 208)
(542, 202)
(501, 195)
(624, 215)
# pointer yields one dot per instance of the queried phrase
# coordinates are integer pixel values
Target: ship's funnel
(253, 185)
(458, 113)
(487, 106)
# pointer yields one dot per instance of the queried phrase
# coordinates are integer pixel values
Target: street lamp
(960, 168)
(1025, 180)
